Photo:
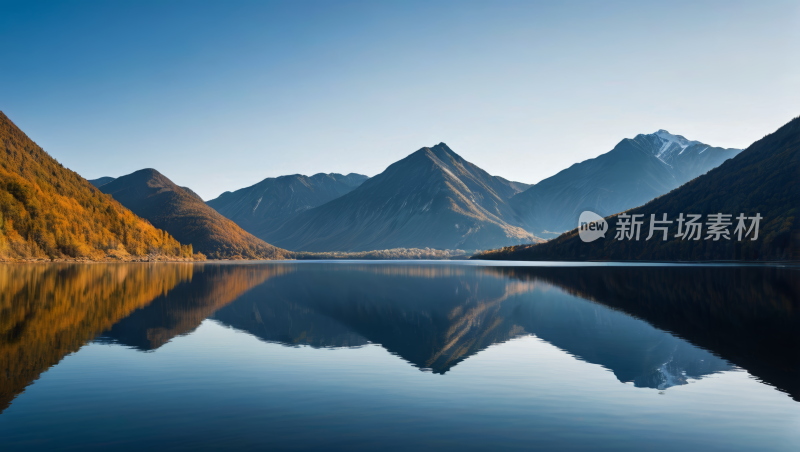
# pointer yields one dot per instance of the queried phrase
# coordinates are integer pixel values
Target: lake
(399, 356)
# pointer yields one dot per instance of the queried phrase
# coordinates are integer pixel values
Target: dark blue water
(399, 356)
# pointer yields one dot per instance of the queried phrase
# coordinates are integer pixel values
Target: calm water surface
(399, 356)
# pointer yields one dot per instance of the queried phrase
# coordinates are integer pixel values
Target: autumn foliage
(48, 211)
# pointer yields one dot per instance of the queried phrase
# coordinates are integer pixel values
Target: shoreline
(107, 260)
(150, 259)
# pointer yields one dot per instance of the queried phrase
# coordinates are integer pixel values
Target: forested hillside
(48, 211)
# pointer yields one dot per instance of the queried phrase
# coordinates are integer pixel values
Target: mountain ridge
(265, 206)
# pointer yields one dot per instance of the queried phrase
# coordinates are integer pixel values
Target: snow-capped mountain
(634, 172)
(670, 144)
(690, 158)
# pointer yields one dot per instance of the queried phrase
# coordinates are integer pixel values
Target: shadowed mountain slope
(183, 214)
(634, 172)
(100, 181)
(264, 207)
(47, 210)
(432, 198)
(764, 179)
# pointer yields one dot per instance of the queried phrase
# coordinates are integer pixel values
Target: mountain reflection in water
(653, 326)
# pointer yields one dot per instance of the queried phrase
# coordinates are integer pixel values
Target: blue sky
(220, 95)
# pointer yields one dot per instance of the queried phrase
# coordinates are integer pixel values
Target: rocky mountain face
(432, 198)
(634, 172)
(264, 207)
(688, 158)
(186, 217)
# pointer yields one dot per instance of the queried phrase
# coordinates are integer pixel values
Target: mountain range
(634, 172)
(183, 214)
(432, 198)
(264, 207)
(763, 180)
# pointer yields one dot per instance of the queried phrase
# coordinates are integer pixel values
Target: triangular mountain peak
(431, 198)
(183, 214)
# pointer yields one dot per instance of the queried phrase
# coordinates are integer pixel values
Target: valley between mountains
(433, 203)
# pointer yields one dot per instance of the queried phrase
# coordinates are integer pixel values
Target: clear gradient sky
(220, 95)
